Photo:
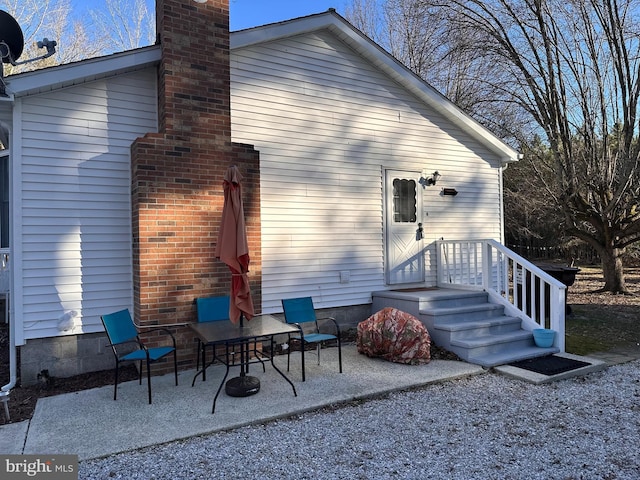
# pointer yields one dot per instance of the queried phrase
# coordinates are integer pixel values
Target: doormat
(550, 365)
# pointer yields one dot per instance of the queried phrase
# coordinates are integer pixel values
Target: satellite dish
(11, 38)
(12, 43)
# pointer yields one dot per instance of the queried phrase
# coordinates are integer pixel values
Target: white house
(348, 140)
(337, 121)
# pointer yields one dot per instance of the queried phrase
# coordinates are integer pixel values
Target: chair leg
(198, 355)
(175, 365)
(288, 352)
(203, 346)
(149, 378)
(340, 354)
(318, 349)
(115, 385)
(302, 355)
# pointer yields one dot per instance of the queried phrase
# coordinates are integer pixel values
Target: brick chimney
(176, 174)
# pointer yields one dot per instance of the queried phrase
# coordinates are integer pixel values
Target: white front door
(404, 259)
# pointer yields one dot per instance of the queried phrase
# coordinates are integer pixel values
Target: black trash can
(565, 274)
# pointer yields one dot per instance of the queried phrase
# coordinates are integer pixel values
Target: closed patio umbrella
(233, 248)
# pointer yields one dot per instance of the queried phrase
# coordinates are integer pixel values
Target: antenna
(12, 44)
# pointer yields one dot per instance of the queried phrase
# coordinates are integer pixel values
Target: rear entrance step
(507, 356)
(592, 365)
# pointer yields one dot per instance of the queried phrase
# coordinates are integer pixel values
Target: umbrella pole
(244, 385)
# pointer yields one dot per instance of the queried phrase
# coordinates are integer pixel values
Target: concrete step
(464, 322)
(507, 356)
(459, 299)
(484, 345)
(593, 365)
(469, 313)
(413, 302)
(462, 329)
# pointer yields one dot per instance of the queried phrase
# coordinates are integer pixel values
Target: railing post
(486, 266)
(557, 315)
(439, 263)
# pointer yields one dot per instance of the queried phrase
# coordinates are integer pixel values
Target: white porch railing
(525, 290)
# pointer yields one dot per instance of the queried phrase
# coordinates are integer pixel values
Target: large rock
(395, 336)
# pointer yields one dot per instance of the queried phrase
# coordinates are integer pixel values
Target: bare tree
(529, 221)
(121, 25)
(419, 34)
(408, 29)
(573, 66)
(50, 19)
(124, 25)
(565, 71)
(365, 15)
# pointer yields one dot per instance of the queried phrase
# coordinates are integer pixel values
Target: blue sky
(251, 13)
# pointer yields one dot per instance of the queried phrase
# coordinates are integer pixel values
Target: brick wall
(176, 175)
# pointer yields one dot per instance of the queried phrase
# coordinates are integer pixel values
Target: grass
(602, 321)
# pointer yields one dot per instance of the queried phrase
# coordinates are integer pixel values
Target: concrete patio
(90, 424)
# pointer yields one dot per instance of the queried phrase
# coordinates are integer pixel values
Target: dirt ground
(22, 400)
(602, 321)
(599, 321)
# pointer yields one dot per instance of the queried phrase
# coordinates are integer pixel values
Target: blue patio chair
(210, 309)
(299, 311)
(122, 332)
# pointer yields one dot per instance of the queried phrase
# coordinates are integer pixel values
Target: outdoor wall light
(428, 181)
(434, 178)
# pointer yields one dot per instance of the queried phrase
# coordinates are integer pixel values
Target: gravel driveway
(482, 427)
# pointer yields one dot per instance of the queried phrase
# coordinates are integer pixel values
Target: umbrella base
(242, 386)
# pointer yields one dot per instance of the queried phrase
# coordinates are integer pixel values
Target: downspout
(13, 371)
(501, 187)
(13, 376)
(6, 263)
(504, 165)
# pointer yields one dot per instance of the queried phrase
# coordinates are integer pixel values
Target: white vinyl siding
(75, 233)
(327, 124)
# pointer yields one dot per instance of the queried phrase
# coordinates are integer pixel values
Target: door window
(404, 254)
(405, 200)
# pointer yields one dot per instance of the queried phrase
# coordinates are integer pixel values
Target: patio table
(260, 328)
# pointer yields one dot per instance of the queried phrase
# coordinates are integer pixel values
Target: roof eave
(89, 70)
(53, 78)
